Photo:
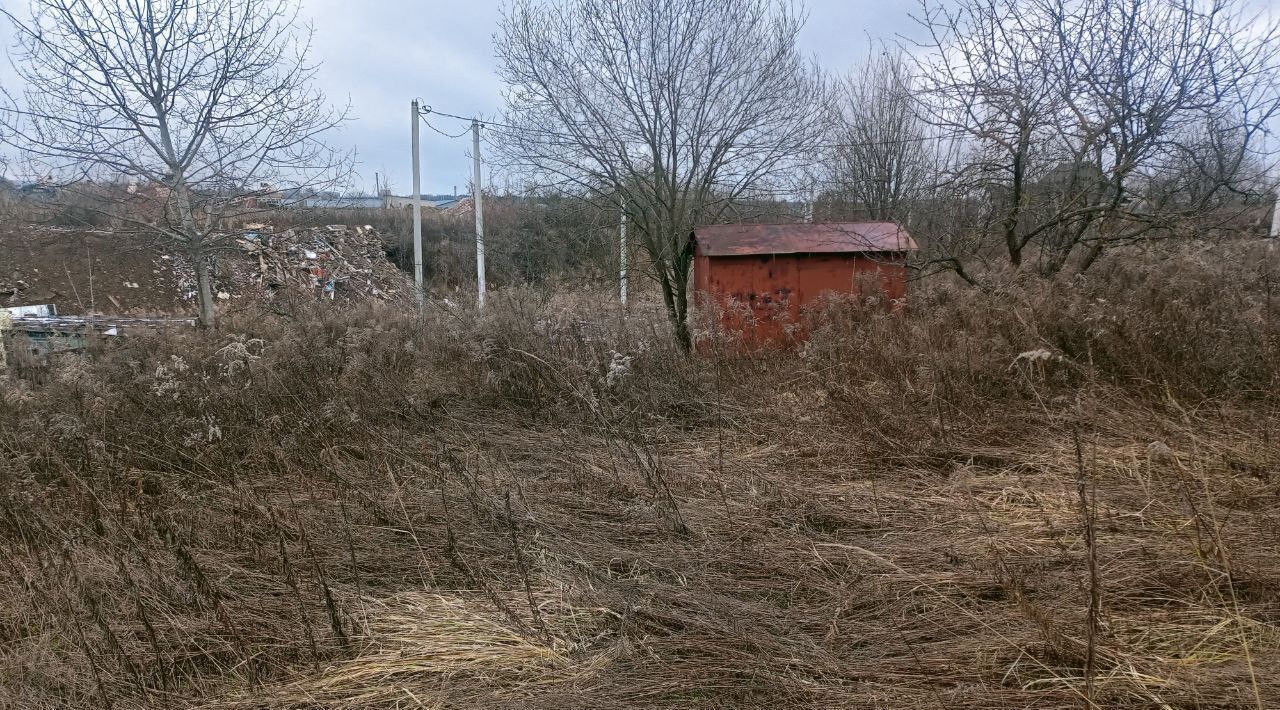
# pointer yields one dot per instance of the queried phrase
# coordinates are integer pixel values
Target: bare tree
(204, 104)
(1209, 164)
(1076, 109)
(681, 106)
(881, 158)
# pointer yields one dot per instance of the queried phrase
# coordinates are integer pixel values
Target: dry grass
(362, 511)
(414, 640)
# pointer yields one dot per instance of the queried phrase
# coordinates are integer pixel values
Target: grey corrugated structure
(359, 202)
(397, 202)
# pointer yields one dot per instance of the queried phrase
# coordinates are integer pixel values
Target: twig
(1088, 510)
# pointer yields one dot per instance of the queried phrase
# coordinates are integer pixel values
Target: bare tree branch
(681, 106)
(206, 101)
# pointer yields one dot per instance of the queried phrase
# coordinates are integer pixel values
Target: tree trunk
(204, 288)
(1015, 254)
(683, 336)
(1012, 217)
(674, 297)
(196, 252)
(682, 265)
(1091, 256)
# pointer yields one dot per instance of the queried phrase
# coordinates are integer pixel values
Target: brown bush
(548, 505)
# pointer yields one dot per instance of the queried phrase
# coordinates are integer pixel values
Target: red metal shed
(770, 271)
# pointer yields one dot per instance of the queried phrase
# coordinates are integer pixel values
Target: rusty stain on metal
(761, 276)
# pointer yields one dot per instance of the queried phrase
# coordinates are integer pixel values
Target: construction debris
(336, 261)
(462, 208)
(137, 273)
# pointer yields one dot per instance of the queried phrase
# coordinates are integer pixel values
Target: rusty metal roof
(831, 237)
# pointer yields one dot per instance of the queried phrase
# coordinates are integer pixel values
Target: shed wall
(762, 295)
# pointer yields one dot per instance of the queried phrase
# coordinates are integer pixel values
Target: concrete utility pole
(418, 287)
(1275, 185)
(477, 196)
(622, 253)
(1275, 216)
(810, 197)
(1274, 175)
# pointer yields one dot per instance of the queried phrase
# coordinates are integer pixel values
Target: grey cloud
(442, 53)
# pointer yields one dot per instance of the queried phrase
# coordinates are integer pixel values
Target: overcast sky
(380, 54)
(388, 52)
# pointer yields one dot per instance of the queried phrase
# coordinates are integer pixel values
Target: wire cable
(570, 136)
(760, 193)
(437, 130)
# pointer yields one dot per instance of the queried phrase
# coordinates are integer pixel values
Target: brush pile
(1055, 494)
(333, 262)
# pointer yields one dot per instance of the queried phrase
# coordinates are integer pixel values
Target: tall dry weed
(577, 513)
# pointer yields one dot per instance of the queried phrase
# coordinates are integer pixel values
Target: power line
(753, 193)
(570, 136)
(468, 119)
(437, 130)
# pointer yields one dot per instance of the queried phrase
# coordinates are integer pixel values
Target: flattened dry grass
(370, 512)
(417, 646)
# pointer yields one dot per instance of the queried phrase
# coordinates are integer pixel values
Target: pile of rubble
(334, 262)
(465, 207)
(138, 273)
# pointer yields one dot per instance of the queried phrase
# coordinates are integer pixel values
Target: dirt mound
(115, 272)
(88, 271)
